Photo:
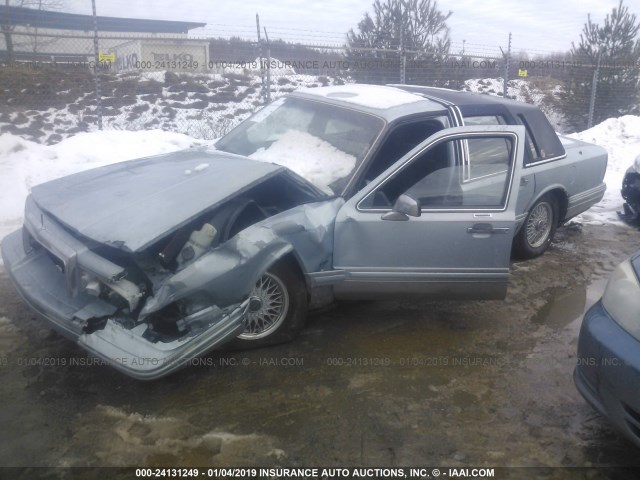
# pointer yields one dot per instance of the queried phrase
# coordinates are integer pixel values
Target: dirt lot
(367, 384)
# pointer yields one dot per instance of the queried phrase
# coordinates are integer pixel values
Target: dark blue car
(608, 370)
(631, 191)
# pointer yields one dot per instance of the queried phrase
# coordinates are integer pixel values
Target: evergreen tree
(615, 46)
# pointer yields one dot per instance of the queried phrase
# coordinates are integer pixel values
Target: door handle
(524, 181)
(486, 229)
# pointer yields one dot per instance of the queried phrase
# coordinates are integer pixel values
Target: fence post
(594, 88)
(268, 97)
(96, 77)
(507, 66)
(403, 53)
(263, 80)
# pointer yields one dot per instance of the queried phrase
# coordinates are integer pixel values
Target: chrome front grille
(66, 251)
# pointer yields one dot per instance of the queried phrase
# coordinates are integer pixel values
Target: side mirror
(404, 208)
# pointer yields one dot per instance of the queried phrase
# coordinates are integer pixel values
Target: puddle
(563, 306)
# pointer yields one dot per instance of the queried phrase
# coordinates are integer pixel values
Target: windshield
(320, 142)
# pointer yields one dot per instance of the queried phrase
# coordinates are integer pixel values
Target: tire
(278, 310)
(538, 229)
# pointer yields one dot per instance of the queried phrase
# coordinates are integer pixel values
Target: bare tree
(8, 30)
(415, 26)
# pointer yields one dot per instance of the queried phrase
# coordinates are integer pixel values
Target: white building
(40, 35)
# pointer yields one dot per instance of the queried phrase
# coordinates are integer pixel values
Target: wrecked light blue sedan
(347, 192)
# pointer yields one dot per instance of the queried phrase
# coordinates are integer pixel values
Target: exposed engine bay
(143, 272)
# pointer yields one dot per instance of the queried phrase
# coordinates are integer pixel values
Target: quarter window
(545, 144)
(485, 120)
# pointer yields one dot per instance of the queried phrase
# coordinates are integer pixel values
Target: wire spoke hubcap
(268, 307)
(539, 224)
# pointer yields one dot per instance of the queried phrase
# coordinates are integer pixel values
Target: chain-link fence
(55, 84)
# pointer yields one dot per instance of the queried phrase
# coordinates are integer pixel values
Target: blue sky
(538, 26)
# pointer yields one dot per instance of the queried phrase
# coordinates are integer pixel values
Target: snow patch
(372, 96)
(154, 76)
(110, 436)
(161, 109)
(621, 138)
(310, 157)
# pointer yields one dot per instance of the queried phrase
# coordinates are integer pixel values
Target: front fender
(227, 274)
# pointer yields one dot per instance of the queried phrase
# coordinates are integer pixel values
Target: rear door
(466, 181)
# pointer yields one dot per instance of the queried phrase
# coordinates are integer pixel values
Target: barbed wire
(204, 84)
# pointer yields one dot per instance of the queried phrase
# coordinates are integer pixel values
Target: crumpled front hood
(130, 205)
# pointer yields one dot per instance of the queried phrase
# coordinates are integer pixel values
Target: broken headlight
(123, 289)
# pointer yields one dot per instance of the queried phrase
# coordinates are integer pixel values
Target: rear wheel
(277, 308)
(538, 230)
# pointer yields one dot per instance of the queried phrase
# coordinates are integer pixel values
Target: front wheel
(277, 308)
(538, 230)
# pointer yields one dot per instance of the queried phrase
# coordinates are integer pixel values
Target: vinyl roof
(384, 101)
(462, 98)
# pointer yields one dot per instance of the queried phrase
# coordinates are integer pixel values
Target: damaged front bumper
(46, 288)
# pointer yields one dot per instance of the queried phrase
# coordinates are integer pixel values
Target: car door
(439, 222)
(527, 179)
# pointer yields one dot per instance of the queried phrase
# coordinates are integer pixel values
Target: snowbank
(621, 138)
(24, 164)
